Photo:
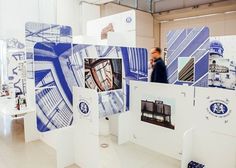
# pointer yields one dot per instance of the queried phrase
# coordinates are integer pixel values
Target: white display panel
(86, 116)
(215, 110)
(157, 137)
(119, 23)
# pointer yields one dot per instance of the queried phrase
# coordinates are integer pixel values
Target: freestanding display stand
(86, 124)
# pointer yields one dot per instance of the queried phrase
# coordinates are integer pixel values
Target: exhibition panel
(222, 63)
(216, 112)
(182, 45)
(53, 85)
(126, 90)
(60, 66)
(119, 23)
(159, 118)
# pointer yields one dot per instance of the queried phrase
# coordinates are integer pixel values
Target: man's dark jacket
(159, 73)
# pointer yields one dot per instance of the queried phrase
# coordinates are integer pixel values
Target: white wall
(14, 14)
(68, 14)
(88, 12)
(219, 25)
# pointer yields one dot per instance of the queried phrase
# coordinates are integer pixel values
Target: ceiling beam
(206, 9)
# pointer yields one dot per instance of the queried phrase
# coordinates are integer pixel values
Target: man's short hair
(158, 49)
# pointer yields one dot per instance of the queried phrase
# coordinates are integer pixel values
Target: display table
(28, 114)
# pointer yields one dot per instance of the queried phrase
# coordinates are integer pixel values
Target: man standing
(159, 73)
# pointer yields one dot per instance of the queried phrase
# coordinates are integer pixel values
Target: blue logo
(129, 19)
(219, 108)
(83, 107)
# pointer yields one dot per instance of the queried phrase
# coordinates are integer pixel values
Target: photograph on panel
(103, 74)
(219, 73)
(106, 30)
(222, 54)
(159, 111)
(110, 103)
(186, 69)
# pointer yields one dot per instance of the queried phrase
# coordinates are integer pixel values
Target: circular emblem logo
(219, 109)
(84, 107)
(128, 19)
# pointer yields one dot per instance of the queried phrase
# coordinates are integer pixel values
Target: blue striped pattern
(193, 42)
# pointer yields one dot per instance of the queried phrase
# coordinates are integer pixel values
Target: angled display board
(59, 67)
(41, 32)
(188, 56)
(222, 63)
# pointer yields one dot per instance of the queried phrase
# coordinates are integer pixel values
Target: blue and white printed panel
(54, 79)
(16, 66)
(188, 56)
(135, 67)
(41, 32)
(222, 63)
(59, 67)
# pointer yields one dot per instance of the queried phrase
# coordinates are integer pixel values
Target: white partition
(221, 121)
(214, 139)
(187, 148)
(62, 141)
(86, 123)
(127, 39)
(155, 137)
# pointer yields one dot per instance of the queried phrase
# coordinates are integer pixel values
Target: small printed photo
(219, 65)
(159, 112)
(106, 30)
(186, 69)
(222, 62)
(103, 74)
(220, 74)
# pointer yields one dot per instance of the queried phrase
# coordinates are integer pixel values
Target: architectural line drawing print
(193, 43)
(41, 32)
(60, 66)
(16, 65)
